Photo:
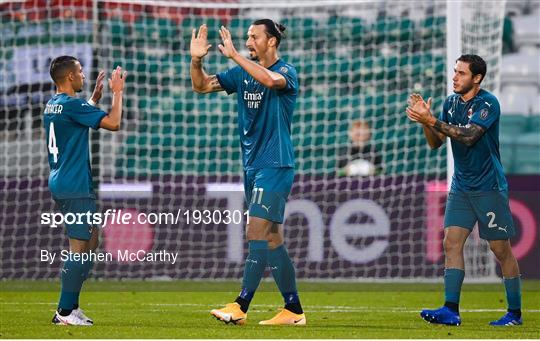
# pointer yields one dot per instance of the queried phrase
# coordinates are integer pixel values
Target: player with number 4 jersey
(66, 121)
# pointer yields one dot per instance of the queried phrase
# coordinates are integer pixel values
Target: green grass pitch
(136, 309)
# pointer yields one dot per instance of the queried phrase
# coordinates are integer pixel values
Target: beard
(253, 56)
(464, 90)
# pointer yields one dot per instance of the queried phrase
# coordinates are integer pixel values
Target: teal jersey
(66, 121)
(478, 167)
(264, 116)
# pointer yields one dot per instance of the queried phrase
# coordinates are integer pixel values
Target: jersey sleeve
(291, 77)
(229, 79)
(486, 114)
(85, 114)
(443, 116)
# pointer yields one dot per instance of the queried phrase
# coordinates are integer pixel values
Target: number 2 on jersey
(53, 149)
(491, 216)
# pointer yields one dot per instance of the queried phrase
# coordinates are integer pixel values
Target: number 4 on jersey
(53, 149)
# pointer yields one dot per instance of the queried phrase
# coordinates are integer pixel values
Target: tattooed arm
(434, 129)
(467, 135)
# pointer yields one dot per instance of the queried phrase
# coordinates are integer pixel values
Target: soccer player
(267, 88)
(66, 120)
(479, 191)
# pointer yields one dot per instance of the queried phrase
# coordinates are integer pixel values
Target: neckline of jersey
(464, 102)
(271, 66)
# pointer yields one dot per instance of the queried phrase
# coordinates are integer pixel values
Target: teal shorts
(80, 228)
(490, 209)
(267, 190)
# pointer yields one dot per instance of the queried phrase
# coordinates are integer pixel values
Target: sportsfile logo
(130, 217)
(55, 219)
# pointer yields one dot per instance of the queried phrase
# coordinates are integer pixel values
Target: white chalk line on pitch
(261, 307)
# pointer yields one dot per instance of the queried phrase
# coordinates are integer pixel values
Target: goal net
(176, 159)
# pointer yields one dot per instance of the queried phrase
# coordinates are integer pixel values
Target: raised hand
(199, 43)
(227, 48)
(417, 103)
(418, 110)
(98, 89)
(116, 82)
(413, 98)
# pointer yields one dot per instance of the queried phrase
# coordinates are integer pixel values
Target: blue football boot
(509, 319)
(443, 315)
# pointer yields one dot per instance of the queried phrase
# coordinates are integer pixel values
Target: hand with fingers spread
(227, 48)
(98, 89)
(420, 111)
(116, 82)
(199, 43)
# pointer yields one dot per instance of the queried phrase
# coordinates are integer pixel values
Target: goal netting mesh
(356, 61)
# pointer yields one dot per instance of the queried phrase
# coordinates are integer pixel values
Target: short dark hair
(476, 64)
(273, 29)
(60, 66)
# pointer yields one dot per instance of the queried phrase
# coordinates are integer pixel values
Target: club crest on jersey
(484, 113)
(469, 113)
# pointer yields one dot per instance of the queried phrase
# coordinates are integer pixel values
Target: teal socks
(253, 271)
(87, 268)
(73, 273)
(513, 292)
(453, 279)
(283, 271)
